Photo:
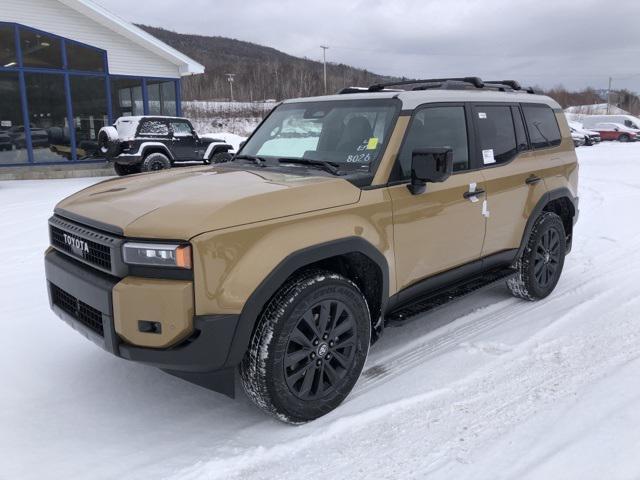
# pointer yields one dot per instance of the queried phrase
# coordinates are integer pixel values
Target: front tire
(155, 161)
(309, 347)
(623, 138)
(538, 269)
(220, 157)
(123, 169)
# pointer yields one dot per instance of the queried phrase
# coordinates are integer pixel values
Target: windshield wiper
(331, 167)
(259, 161)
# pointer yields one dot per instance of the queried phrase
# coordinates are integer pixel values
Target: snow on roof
(596, 109)
(187, 65)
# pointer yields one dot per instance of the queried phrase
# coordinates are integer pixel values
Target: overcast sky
(575, 43)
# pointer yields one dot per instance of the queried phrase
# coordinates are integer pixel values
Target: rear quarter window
(154, 127)
(542, 126)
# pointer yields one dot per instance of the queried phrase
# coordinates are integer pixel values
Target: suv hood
(184, 202)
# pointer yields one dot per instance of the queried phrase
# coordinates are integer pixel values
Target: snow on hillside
(490, 387)
(579, 111)
(240, 118)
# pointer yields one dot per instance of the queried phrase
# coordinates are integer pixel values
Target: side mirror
(432, 165)
(617, 129)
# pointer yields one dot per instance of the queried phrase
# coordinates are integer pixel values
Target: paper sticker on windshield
(373, 143)
(482, 115)
(487, 156)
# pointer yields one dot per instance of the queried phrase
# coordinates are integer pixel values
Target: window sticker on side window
(482, 115)
(487, 156)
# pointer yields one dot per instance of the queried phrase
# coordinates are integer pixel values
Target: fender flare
(214, 148)
(146, 145)
(295, 261)
(547, 197)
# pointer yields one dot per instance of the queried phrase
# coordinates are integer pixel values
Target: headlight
(157, 254)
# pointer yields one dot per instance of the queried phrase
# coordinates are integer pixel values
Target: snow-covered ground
(490, 387)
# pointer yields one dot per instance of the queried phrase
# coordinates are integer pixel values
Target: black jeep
(144, 144)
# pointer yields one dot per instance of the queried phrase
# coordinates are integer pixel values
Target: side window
(435, 127)
(496, 133)
(154, 127)
(542, 125)
(181, 129)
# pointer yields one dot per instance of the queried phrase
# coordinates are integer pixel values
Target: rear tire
(155, 161)
(309, 347)
(623, 138)
(540, 266)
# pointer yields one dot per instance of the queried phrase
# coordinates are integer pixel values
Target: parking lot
(466, 392)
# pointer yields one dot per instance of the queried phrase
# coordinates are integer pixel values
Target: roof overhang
(186, 65)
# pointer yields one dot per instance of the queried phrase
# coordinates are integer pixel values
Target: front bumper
(83, 298)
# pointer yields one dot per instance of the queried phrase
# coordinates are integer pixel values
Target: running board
(440, 298)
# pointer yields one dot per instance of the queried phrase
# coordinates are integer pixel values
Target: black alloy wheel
(320, 350)
(546, 258)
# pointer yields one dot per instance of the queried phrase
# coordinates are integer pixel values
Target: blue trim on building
(21, 71)
(145, 97)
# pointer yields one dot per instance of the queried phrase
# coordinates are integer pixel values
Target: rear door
(439, 229)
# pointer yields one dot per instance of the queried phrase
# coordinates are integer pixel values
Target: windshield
(351, 133)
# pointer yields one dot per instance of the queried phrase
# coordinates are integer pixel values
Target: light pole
(230, 77)
(324, 62)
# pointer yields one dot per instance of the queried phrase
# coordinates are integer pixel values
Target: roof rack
(454, 83)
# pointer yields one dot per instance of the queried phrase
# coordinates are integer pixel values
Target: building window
(162, 97)
(84, 58)
(48, 117)
(40, 50)
(89, 106)
(126, 97)
(12, 140)
(7, 47)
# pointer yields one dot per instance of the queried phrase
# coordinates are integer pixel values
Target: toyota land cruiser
(339, 215)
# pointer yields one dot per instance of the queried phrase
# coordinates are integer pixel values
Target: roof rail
(475, 81)
(453, 83)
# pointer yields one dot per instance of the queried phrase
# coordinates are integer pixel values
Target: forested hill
(261, 72)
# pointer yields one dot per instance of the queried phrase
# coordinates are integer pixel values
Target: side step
(439, 298)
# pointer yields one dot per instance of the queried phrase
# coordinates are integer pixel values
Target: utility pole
(230, 77)
(609, 97)
(324, 61)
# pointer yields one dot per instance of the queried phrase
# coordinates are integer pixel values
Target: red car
(616, 131)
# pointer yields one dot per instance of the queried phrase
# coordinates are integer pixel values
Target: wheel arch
(147, 149)
(353, 257)
(559, 201)
(214, 148)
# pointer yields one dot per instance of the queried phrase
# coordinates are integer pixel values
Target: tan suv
(339, 214)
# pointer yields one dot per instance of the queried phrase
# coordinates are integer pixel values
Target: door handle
(474, 193)
(532, 180)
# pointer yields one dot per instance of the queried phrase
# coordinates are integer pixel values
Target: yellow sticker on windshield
(373, 144)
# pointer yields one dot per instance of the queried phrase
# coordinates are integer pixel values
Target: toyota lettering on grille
(79, 247)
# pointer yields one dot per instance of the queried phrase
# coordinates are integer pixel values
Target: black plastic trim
(547, 197)
(91, 287)
(269, 286)
(449, 278)
(85, 221)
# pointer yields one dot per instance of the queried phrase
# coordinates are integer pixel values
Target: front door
(185, 142)
(444, 227)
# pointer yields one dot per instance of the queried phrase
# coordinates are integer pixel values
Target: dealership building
(70, 67)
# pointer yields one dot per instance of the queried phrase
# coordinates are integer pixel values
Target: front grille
(96, 253)
(85, 314)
